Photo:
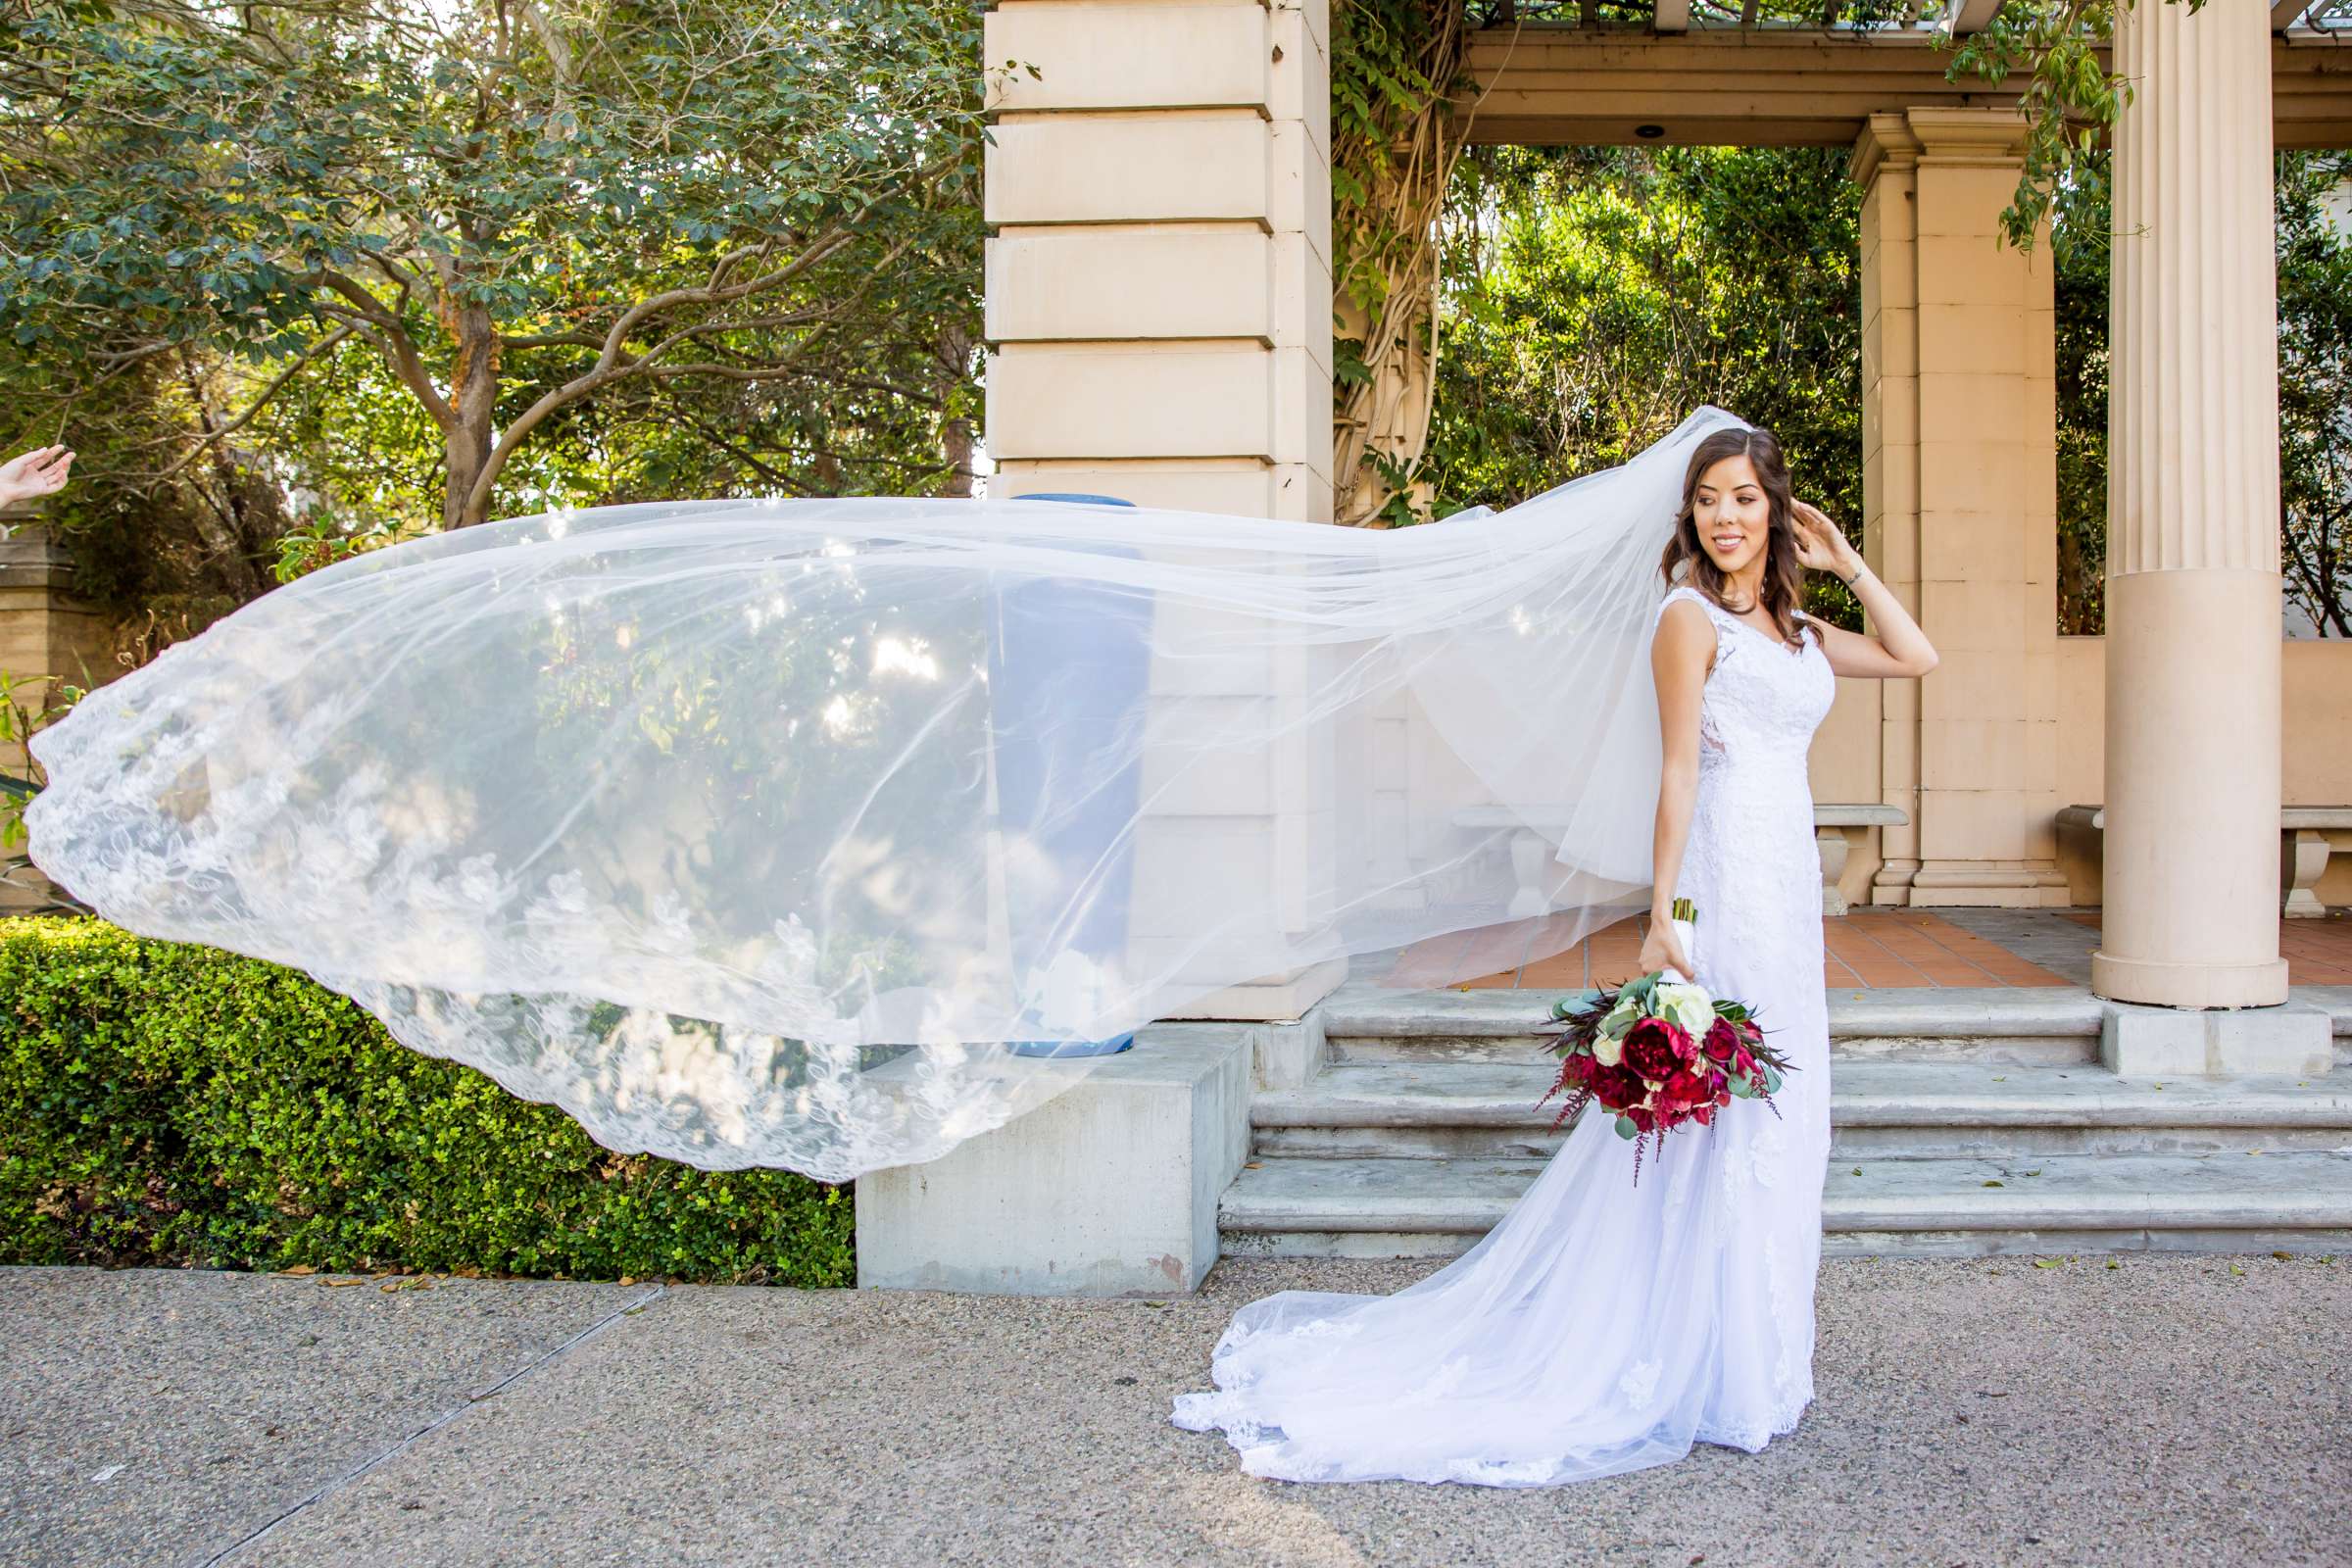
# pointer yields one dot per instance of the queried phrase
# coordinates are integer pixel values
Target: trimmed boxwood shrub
(165, 1103)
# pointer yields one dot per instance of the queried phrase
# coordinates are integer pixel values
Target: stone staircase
(1964, 1123)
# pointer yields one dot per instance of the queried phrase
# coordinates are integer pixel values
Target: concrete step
(2022, 1025)
(1952, 1109)
(2296, 1199)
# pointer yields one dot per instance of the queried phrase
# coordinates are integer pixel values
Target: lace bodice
(1763, 699)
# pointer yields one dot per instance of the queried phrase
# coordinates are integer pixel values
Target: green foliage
(167, 1104)
(1596, 295)
(2078, 252)
(1396, 67)
(2315, 388)
(1391, 66)
(360, 269)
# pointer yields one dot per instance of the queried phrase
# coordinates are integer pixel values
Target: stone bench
(1532, 853)
(2303, 847)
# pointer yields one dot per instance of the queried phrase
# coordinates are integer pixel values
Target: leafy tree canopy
(529, 220)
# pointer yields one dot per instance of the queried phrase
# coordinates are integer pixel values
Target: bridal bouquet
(1656, 1053)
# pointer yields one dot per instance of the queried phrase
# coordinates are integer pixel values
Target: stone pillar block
(2293, 1039)
(1109, 170)
(1075, 284)
(1110, 1189)
(48, 640)
(1143, 400)
(1128, 57)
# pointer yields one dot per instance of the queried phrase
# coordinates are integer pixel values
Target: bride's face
(1732, 512)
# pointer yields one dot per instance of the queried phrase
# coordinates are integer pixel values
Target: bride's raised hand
(1821, 545)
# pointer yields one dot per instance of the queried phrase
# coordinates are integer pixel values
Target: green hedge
(164, 1103)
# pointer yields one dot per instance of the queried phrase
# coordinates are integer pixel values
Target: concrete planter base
(1110, 1189)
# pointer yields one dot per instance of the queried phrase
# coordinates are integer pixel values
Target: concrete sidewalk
(2161, 1410)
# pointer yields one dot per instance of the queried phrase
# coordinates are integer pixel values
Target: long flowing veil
(825, 834)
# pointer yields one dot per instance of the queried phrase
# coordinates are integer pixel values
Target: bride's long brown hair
(1687, 560)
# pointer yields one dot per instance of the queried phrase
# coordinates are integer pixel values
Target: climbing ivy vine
(1397, 67)
(2070, 98)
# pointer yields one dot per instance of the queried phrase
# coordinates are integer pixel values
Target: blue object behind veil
(1069, 662)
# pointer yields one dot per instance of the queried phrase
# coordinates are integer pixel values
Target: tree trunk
(219, 516)
(473, 397)
(956, 438)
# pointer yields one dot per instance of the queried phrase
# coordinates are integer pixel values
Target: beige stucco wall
(2315, 695)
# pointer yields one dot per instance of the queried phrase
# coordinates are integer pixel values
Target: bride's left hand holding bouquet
(1656, 1053)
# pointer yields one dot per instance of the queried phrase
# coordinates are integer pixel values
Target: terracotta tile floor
(1866, 948)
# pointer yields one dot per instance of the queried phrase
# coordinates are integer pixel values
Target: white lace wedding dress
(1604, 1326)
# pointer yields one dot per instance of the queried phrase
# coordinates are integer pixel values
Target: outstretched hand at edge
(29, 475)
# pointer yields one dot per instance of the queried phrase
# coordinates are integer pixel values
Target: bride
(1604, 1326)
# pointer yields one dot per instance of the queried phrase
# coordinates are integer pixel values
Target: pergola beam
(2286, 12)
(1793, 86)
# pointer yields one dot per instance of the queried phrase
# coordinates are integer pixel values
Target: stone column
(1160, 302)
(1159, 284)
(1960, 506)
(2193, 755)
(48, 640)
(1885, 163)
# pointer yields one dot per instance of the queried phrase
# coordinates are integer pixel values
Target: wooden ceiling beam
(1793, 86)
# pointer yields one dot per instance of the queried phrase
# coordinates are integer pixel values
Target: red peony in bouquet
(1656, 1053)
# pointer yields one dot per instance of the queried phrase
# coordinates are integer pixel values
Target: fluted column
(2192, 753)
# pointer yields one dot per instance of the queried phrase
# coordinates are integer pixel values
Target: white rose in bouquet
(1687, 1006)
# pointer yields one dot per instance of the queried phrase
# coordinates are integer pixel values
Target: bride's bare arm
(1899, 649)
(1679, 659)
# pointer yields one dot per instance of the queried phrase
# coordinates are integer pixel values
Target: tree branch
(392, 338)
(610, 365)
(276, 384)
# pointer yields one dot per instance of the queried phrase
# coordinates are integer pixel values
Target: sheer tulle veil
(815, 834)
